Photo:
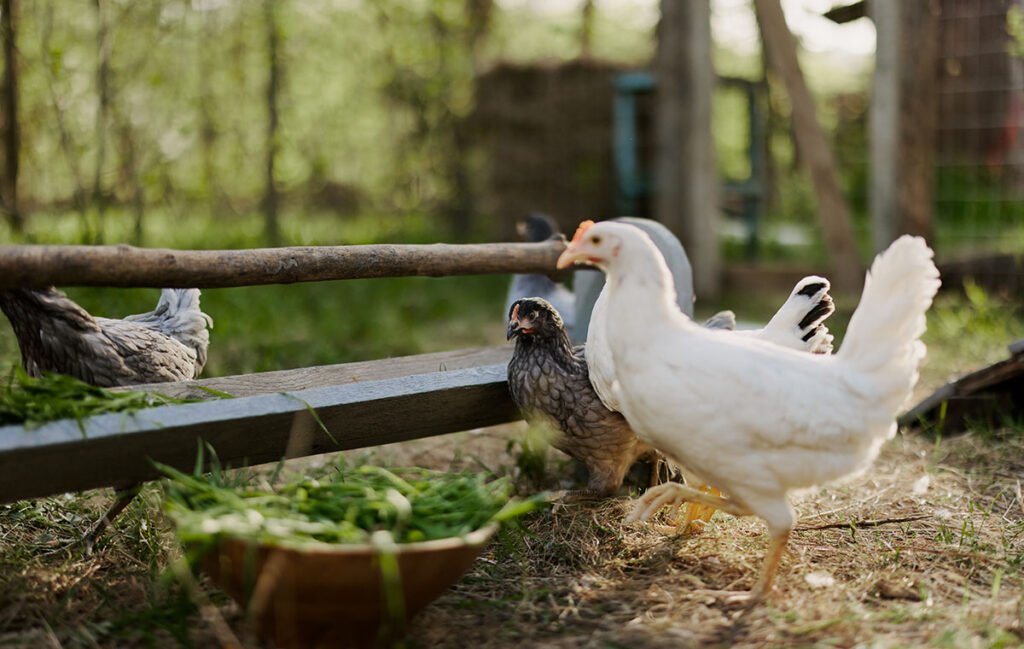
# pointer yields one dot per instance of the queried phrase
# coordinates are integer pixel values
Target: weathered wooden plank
(56, 458)
(992, 394)
(39, 266)
(246, 385)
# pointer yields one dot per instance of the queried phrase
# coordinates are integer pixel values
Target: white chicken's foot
(731, 598)
(674, 494)
(764, 582)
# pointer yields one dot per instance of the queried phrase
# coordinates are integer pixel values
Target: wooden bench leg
(123, 496)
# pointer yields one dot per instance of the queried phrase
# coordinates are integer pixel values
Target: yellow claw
(697, 515)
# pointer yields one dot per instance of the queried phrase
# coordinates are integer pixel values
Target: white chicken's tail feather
(884, 336)
(799, 323)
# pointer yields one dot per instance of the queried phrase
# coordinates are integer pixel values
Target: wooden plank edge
(55, 458)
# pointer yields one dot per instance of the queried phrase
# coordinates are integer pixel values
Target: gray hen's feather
(57, 335)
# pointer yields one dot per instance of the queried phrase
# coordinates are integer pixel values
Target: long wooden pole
(40, 266)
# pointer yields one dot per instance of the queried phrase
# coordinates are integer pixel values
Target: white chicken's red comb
(581, 230)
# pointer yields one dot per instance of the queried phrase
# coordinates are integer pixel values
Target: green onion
(348, 506)
(33, 401)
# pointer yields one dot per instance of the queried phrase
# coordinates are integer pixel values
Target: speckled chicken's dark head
(534, 318)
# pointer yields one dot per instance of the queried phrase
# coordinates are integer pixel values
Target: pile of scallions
(350, 505)
(32, 401)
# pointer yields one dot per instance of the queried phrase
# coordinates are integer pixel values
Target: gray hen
(56, 335)
(549, 381)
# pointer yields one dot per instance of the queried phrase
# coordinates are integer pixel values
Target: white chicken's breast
(599, 356)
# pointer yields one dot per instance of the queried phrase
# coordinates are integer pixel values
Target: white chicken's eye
(596, 240)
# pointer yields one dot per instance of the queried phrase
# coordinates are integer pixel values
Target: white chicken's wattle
(756, 419)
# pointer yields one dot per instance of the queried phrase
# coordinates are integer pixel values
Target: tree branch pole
(41, 266)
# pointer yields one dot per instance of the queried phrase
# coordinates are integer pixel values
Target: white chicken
(756, 419)
(798, 324)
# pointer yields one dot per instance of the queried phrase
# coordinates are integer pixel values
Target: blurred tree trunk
(587, 28)
(271, 199)
(66, 145)
(450, 127)
(11, 134)
(772, 127)
(478, 15)
(812, 145)
(128, 173)
(918, 99)
(99, 198)
(903, 119)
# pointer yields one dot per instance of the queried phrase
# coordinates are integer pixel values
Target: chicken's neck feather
(641, 299)
(640, 283)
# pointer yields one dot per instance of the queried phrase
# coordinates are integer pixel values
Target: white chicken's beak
(569, 256)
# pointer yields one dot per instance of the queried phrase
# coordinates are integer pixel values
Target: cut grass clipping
(349, 506)
(34, 401)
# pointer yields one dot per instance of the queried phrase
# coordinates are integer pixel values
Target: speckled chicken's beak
(513, 322)
(513, 329)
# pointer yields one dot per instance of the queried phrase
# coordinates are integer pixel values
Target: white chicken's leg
(697, 514)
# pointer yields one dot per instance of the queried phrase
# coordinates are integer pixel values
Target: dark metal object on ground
(992, 395)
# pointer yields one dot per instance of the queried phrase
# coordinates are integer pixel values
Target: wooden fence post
(883, 122)
(685, 174)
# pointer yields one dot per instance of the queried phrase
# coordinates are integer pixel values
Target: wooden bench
(361, 404)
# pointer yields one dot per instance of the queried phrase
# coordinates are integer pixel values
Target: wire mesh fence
(979, 160)
(961, 76)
